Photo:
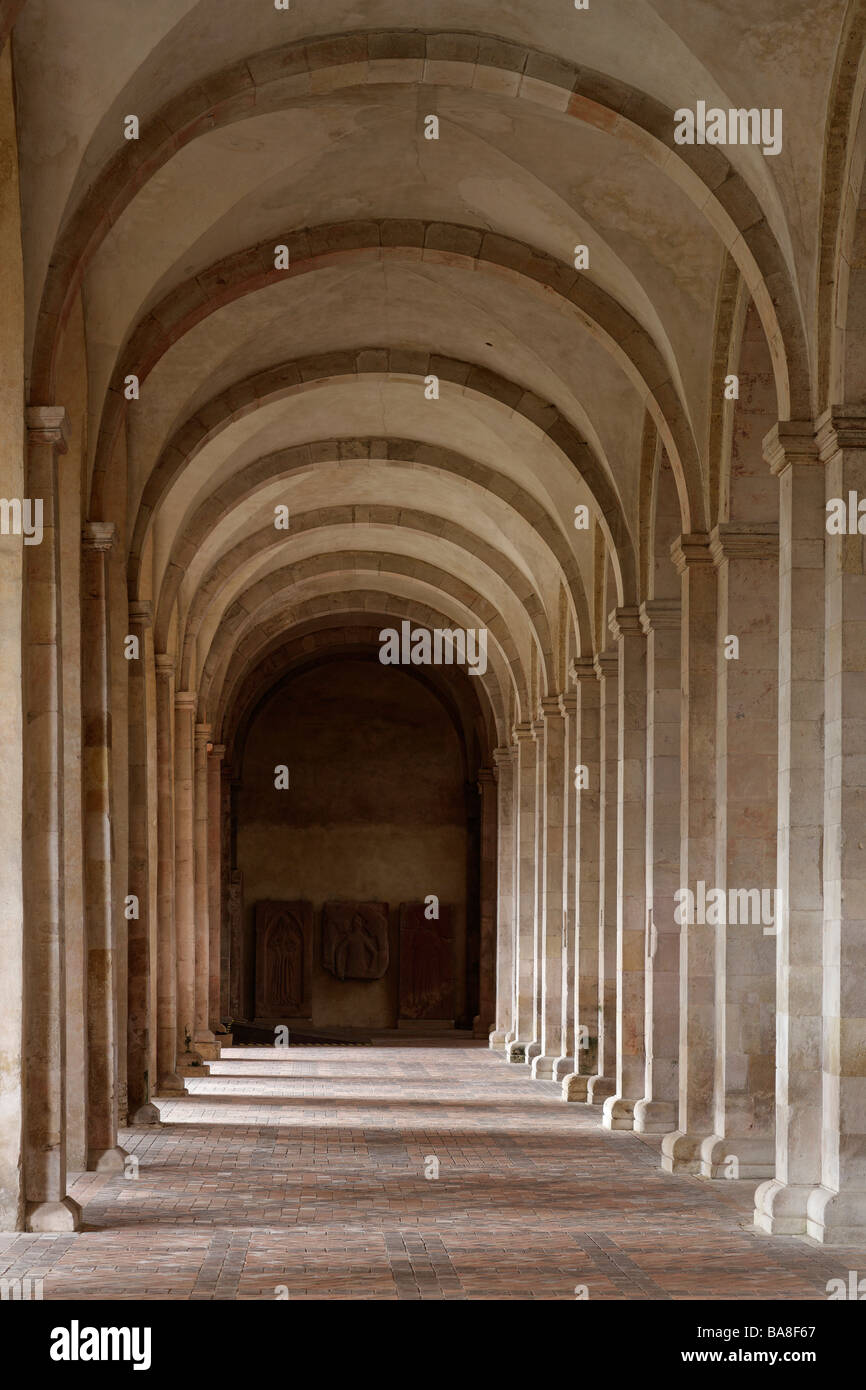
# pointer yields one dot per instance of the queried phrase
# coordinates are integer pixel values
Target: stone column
(742, 1144)
(603, 1083)
(585, 773)
(533, 1049)
(503, 759)
(226, 963)
(524, 963)
(626, 630)
(697, 1053)
(215, 877)
(656, 1112)
(184, 873)
(205, 1042)
(565, 1064)
(47, 1206)
(487, 946)
(780, 1204)
(168, 1081)
(550, 928)
(103, 1152)
(139, 979)
(836, 1207)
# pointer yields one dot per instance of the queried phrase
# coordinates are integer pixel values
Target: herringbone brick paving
(302, 1175)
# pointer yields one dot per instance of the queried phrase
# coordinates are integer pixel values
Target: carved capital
(164, 663)
(217, 751)
(841, 427)
(606, 665)
(185, 700)
(523, 733)
(732, 539)
(622, 621)
(98, 535)
(690, 551)
(48, 424)
(568, 703)
(790, 441)
(141, 612)
(660, 613)
(583, 669)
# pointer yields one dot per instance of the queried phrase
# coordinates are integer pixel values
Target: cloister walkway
(311, 1174)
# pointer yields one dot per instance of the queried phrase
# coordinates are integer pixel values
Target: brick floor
(303, 1176)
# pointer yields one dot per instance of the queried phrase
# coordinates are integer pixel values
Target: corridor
(303, 1175)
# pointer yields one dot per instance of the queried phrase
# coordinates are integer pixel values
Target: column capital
(523, 733)
(48, 424)
(790, 441)
(568, 703)
(217, 751)
(185, 700)
(623, 620)
(141, 612)
(203, 732)
(503, 755)
(583, 669)
(840, 427)
(660, 613)
(486, 778)
(732, 538)
(606, 665)
(164, 663)
(691, 550)
(98, 535)
(550, 707)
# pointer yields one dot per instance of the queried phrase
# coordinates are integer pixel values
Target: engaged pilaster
(585, 772)
(140, 1049)
(603, 1083)
(551, 944)
(504, 761)
(168, 1081)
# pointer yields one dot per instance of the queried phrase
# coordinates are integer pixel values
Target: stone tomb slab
(284, 960)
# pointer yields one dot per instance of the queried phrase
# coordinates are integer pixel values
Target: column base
(171, 1085)
(107, 1160)
(542, 1068)
(780, 1207)
(516, 1052)
(681, 1153)
(737, 1157)
(574, 1086)
(64, 1215)
(497, 1039)
(599, 1089)
(208, 1051)
(654, 1117)
(562, 1067)
(836, 1218)
(618, 1113)
(533, 1050)
(146, 1115)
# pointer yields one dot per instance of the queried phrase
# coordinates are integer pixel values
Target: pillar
(487, 946)
(585, 773)
(168, 1081)
(205, 1042)
(741, 1144)
(656, 1111)
(627, 632)
(551, 763)
(216, 754)
(184, 874)
(103, 1151)
(697, 1054)
(524, 940)
(565, 1063)
(836, 1207)
(503, 761)
(533, 1048)
(46, 1204)
(603, 1083)
(138, 914)
(780, 1203)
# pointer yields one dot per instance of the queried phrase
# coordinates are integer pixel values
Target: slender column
(184, 873)
(47, 1206)
(103, 1151)
(487, 948)
(533, 1049)
(836, 1208)
(565, 1062)
(656, 1112)
(626, 630)
(524, 963)
(603, 1083)
(503, 759)
(742, 1144)
(205, 1041)
(551, 764)
(681, 1147)
(169, 1083)
(215, 876)
(585, 773)
(780, 1203)
(226, 963)
(138, 1040)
